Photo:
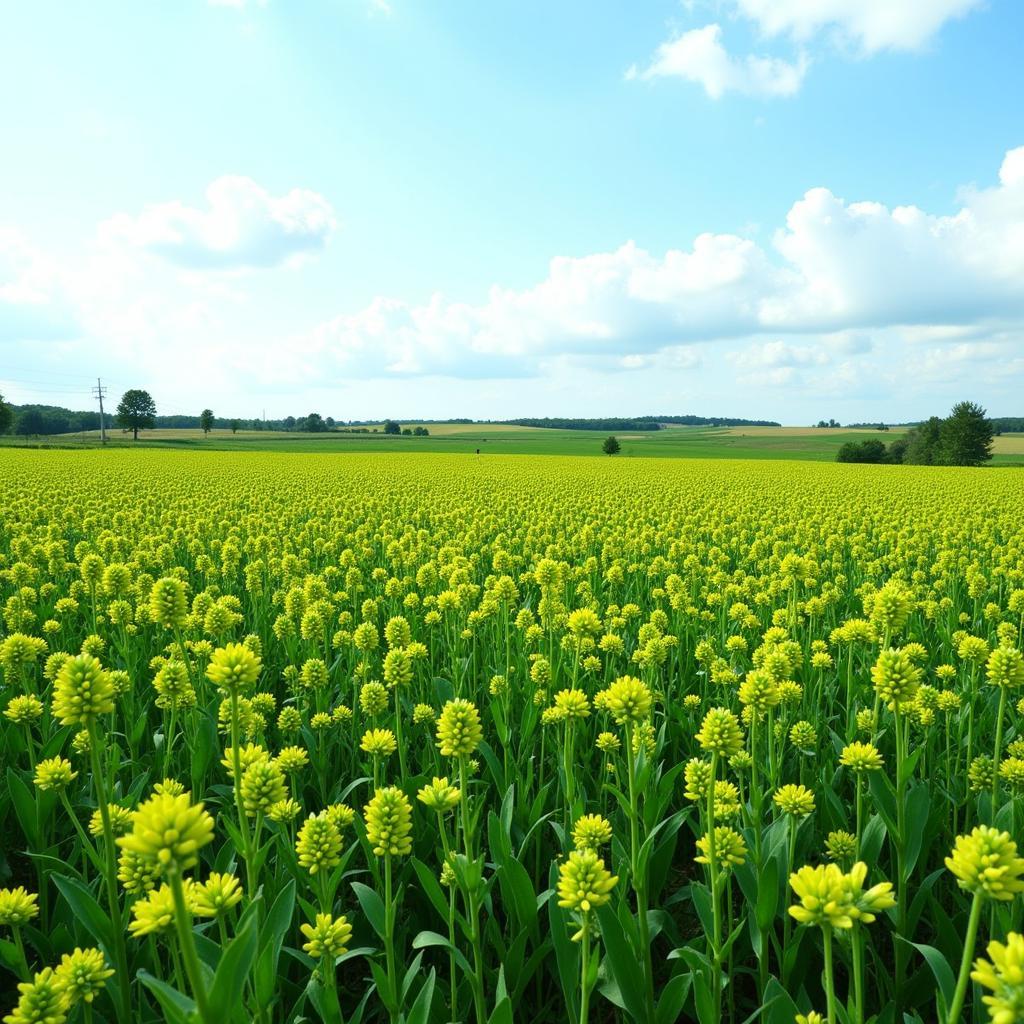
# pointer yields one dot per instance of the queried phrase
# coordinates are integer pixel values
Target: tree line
(137, 411)
(646, 423)
(963, 438)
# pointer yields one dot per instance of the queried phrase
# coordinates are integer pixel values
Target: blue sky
(774, 208)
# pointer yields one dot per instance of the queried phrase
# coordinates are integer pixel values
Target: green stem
(998, 750)
(183, 925)
(110, 875)
(389, 942)
(830, 992)
(965, 963)
(585, 970)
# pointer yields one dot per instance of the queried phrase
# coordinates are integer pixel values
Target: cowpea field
(431, 738)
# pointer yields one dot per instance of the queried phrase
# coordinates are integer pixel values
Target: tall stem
(998, 750)
(110, 875)
(585, 970)
(965, 963)
(639, 884)
(183, 925)
(830, 991)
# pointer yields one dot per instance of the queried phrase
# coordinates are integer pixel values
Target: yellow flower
(591, 832)
(168, 606)
(1005, 668)
(896, 678)
(216, 896)
(986, 862)
(795, 800)
(389, 822)
(1003, 975)
(861, 757)
(458, 729)
(234, 668)
(153, 914)
(54, 773)
(328, 937)
(82, 692)
(17, 906)
(440, 795)
(628, 700)
(378, 742)
(572, 703)
(824, 900)
(82, 974)
(583, 881)
(720, 733)
(730, 850)
(263, 785)
(43, 1000)
(319, 844)
(169, 830)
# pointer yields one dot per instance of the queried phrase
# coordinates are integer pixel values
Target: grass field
(801, 443)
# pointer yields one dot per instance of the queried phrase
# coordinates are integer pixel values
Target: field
(802, 443)
(356, 737)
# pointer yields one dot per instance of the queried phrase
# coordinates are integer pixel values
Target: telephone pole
(99, 391)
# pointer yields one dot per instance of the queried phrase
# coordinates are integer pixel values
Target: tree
(391, 427)
(611, 446)
(235, 424)
(206, 420)
(315, 423)
(329, 422)
(136, 411)
(30, 422)
(923, 443)
(289, 423)
(6, 416)
(421, 432)
(965, 438)
(866, 451)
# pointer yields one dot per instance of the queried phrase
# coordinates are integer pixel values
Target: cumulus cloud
(241, 226)
(699, 56)
(869, 25)
(33, 303)
(863, 27)
(836, 269)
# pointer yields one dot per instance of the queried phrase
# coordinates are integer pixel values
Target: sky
(780, 209)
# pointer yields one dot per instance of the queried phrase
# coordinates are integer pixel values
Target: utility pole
(99, 391)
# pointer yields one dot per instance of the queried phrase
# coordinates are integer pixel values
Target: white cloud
(699, 56)
(864, 27)
(869, 25)
(836, 269)
(33, 303)
(242, 225)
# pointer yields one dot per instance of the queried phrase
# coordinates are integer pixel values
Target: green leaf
(767, 894)
(567, 957)
(672, 999)
(939, 966)
(419, 1012)
(85, 908)
(621, 962)
(24, 806)
(432, 888)
(373, 907)
(232, 972)
(502, 1013)
(427, 939)
(177, 1007)
(517, 892)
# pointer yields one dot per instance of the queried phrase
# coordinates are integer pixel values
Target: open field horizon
(796, 443)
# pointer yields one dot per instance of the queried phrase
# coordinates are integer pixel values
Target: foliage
(206, 420)
(442, 689)
(6, 416)
(611, 445)
(391, 427)
(136, 411)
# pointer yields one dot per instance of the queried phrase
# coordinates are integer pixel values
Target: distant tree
(897, 451)
(391, 427)
(611, 446)
(289, 423)
(234, 425)
(136, 411)
(965, 438)
(421, 432)
(329, 422)
(923, 443)
(866, 451)
(206, 420)
(6, 416)
(30, 423)
(314, 423)
(407, 431)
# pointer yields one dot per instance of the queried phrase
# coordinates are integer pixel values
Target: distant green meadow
(800, 443)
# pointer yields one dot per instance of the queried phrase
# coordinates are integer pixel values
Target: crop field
(799, 443)
(434, 738)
